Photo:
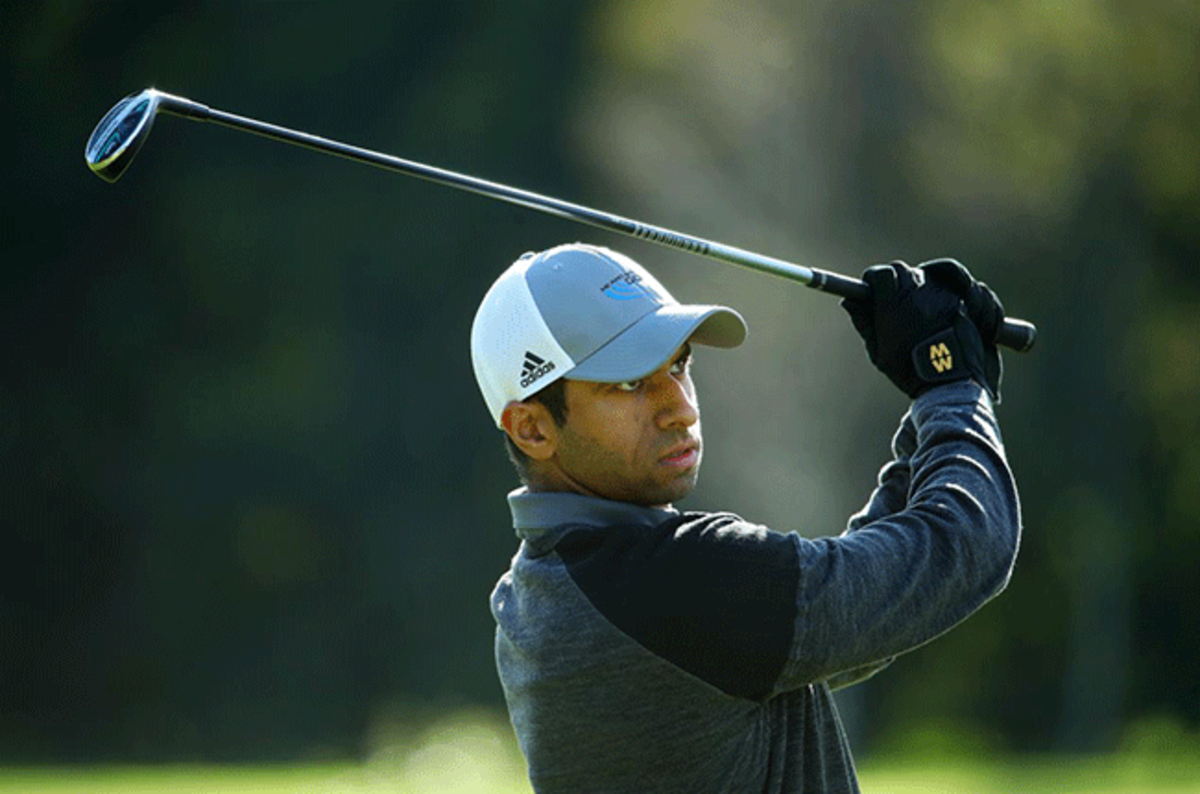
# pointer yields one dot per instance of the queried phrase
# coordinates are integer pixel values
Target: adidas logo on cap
(534, 368)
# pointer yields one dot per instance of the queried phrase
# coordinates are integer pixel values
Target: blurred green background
(253, 502)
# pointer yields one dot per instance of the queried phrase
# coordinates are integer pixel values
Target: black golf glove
(929, 325)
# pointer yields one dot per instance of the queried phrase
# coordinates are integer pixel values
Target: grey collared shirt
(652, 650)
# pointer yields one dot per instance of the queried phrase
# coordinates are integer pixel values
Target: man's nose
(677, 404)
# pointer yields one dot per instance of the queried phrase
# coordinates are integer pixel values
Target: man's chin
(673, 491)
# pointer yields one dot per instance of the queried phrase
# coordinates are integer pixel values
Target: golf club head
(119, 135)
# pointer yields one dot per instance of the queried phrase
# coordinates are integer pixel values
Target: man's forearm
(891, 491)
(901, 580)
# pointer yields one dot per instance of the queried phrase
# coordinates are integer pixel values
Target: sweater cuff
(962, 392)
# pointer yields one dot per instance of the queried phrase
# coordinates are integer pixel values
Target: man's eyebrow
(684, 354)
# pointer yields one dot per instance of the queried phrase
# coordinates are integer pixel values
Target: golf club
(121, 133)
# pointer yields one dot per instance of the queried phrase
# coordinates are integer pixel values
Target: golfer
(644, 649)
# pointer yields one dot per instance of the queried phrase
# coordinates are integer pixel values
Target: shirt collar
(536, 512)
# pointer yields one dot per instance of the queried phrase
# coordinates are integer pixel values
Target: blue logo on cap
(625, 287)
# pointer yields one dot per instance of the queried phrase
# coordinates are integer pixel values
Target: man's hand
(929, 325)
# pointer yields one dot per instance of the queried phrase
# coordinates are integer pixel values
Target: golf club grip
(1018, 335)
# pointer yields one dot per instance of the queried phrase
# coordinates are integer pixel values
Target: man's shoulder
(710, 592)
(689, 559)
(685, 533)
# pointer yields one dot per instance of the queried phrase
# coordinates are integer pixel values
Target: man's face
(637, 441)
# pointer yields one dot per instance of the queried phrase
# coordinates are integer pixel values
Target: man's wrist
(966, 391)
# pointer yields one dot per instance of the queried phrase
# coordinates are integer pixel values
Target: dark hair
(554, 398)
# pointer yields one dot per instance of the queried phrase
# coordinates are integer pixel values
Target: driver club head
(117, 138)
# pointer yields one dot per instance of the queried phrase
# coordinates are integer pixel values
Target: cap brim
(649, 343)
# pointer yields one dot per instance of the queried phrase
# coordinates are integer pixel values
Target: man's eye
(629, 385)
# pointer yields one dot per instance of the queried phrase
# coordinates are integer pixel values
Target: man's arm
(902, 579)
(890, 496)
(891, 491)
(897, 578)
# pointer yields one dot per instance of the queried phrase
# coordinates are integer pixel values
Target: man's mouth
(682, 456)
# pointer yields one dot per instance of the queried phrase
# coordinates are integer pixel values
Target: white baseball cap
(586, 313)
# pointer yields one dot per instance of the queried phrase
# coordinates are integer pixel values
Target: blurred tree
(242, 520)
(1052, 148)
(253, 499)
(1077, 119)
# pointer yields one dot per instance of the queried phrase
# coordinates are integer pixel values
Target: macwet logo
(625, 287)
(939, 356)
(533, 368)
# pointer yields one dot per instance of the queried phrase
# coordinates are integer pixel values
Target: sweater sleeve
(891, 491)
(889, 496)
(937, 540)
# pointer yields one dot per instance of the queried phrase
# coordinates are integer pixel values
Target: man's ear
(531, 428)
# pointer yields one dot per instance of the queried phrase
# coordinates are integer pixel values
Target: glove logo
(939, 356)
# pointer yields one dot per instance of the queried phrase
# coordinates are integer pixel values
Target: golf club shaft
(1015, 334)
(564, 209)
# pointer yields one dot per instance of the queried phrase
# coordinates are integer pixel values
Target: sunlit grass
(474, 753)
(469, 752)
(182, 779)
(451, 772)
(1043, 773)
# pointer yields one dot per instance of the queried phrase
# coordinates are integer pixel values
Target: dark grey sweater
(649, 650)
